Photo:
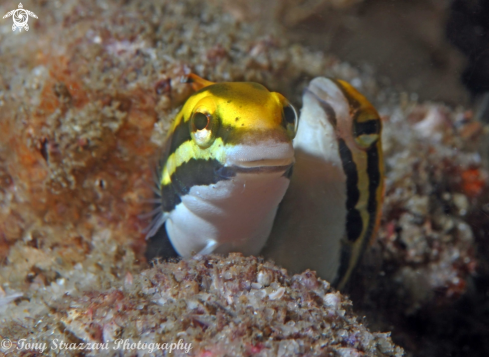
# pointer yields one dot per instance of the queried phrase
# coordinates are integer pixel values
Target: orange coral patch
(473, 182)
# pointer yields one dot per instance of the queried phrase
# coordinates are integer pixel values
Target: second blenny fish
(230, 158)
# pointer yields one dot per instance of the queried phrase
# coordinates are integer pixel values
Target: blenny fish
(241, 172)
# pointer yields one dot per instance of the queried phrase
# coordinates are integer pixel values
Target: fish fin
(208, 249)
(197, 82)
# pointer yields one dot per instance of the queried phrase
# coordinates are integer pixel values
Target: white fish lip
(262, 163)
(255, 167)
(268, 153)
(262, 168)
(265, 157)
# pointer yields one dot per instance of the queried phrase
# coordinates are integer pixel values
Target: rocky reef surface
(214, 306)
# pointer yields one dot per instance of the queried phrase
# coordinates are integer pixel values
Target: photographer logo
(20, 17)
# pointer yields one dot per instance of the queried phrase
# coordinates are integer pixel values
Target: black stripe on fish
(180, 135)
(366, 127)
(348, 248)
(354, 223)
(374, 178)
(195, 172)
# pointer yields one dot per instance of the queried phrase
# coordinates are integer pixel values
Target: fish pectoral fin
(156, 224)
(208, 249)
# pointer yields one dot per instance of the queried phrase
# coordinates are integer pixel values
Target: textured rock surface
(220, 307)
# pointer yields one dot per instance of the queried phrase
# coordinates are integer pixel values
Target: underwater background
(86, 97)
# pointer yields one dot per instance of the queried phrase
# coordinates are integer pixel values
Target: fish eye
(200, 121)
(202, 128)
(366, 130)
(290, 120)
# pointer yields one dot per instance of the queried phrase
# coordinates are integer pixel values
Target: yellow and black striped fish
(228, 164)
(332, 207)
(228, 157)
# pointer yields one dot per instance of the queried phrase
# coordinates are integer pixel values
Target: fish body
(332, 208)
(225, 168)
(240, 170)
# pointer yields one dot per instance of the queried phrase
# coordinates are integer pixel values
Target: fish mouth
(266, 157)
(263, 165)
(262, 169)
(255, 167)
